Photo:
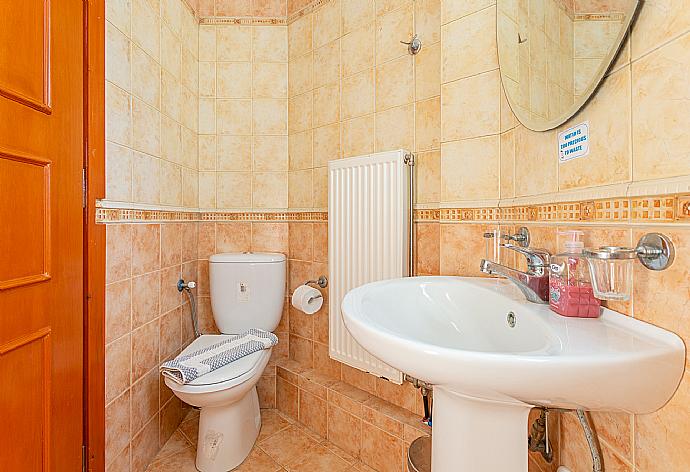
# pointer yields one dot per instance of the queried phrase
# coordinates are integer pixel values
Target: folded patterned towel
(185, 369)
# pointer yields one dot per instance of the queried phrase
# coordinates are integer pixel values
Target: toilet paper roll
(307, 299)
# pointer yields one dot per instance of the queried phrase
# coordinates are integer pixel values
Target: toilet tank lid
(247, 257)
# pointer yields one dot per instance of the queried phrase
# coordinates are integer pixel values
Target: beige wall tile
(428, 124)
(171, 184)
(269, 190)
(207, 189)
(207, 152)
(300, 150)
(300, 189)
(170, 95)
(119, 14)
(118, 64)
(118, 171)
(358, 136)
(658, 21)
(478, 29)
(660, 108)
(207, 42)
(233, 189)
(356, 14)
(327, 59)
(395, 83)
(300, 112)
(118, 116)
(357, 50)
(233, 43)
(428, 72)
(146, 27)
(358, 94)
(171, 140)
(300, 36)
(327, 23)
(461, 178)
(234, 80)
(392, 28)
(146, 77)
(207, 116)
(507, 174)
(234, 117)
(301, 74)
(234, 153)
(320, 187)
(327, 105)
(471, 107)
(145, 178)
(395, 129)
(171, 52)
(428, 20)
(326, 144)
(270, 117)
(269, 44)
(428, 177)
(270, 153)
(536, 165)
(610, 153)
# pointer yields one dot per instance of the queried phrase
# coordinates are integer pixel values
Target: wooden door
(41, 235)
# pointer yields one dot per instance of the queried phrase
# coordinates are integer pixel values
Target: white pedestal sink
(455, 333)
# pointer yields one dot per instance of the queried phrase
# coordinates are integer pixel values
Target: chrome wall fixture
(654, 250)
(322, 282)
(414, 45)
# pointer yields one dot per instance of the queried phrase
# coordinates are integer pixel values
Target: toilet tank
(247, 290)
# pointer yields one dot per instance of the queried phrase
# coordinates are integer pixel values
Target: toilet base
(227, 434)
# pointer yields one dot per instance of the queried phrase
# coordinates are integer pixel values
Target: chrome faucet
(534, 283)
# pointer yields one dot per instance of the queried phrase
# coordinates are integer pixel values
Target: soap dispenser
(570, 286)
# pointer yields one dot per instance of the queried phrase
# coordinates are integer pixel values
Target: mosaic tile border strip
(246, 21)
(652, 209)
(315, 5)
(117, 215)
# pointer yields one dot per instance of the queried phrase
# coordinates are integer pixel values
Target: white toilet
(247, 291)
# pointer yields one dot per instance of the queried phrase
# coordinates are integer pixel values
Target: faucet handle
(536, 258)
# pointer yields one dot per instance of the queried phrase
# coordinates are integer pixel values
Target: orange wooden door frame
(94, 236)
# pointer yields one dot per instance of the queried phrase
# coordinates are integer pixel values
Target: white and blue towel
(185, 369)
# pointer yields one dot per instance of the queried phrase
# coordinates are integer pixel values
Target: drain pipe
(591, 441)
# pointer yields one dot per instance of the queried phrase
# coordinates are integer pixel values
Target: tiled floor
(283, 445)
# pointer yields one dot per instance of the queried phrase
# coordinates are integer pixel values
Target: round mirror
(554, 53)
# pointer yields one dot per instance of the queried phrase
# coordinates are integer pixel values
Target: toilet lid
(233, 370)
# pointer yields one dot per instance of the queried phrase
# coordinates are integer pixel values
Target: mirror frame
(606, 65)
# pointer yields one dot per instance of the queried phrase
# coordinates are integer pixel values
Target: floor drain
(419, 455)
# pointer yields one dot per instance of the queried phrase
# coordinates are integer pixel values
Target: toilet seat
(228, 376)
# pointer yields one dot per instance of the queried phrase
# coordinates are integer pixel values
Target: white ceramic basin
(454, 333)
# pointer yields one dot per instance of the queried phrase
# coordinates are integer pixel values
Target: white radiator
(368, 240)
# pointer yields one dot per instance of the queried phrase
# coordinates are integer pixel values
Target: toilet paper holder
(321, 282)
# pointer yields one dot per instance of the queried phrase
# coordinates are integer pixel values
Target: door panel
(41, 235)
(27, 362)
(25, 64)
(26, 216)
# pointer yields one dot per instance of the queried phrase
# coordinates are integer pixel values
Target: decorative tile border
(118, 215)
(635, 210)
(245, 20)
(652, 209)
(315, 5)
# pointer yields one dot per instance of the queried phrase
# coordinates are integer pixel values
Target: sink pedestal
(473, 435)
